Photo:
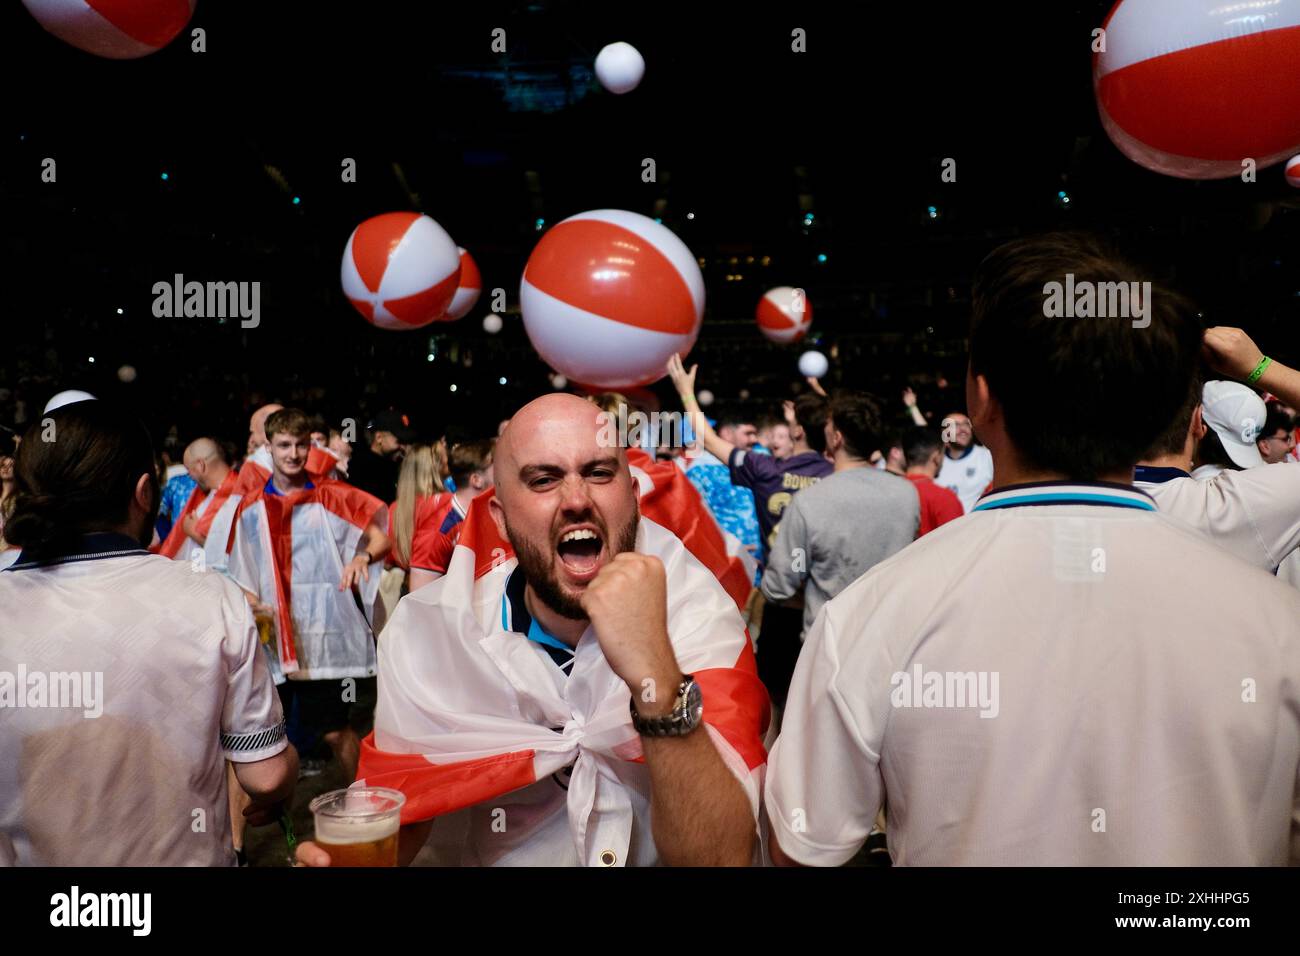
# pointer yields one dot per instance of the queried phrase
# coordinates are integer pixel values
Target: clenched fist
(1231, 352)
(627, 604)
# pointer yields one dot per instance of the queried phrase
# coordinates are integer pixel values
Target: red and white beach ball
(1191, 88)
(608, 296)
(467, 289)
(1293, 172)
(400, 270)
(117, 29)
(784, 314)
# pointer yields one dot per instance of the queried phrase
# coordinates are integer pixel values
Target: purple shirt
(774, 482)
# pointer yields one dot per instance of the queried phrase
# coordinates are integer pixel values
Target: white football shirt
(968, 475)
(126, 682)
(1064, 677)
(1254, 514)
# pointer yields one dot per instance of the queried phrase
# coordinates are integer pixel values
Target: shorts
(321, 706)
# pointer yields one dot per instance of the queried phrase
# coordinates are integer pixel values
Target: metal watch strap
(674, 724)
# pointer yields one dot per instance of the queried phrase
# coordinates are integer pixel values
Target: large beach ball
(400, 270)
(784, 314)
(1191, 88)
(468, 288)
(1293, 172)
(117, 29)
(608, 296)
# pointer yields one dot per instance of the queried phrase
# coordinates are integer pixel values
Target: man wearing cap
(1245, 507)
(375, 466)
(1065, 676)
(1233, 416)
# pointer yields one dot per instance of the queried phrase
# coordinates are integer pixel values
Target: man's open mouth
(579, 551)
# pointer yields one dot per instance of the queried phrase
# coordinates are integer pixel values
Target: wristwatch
(688, 710)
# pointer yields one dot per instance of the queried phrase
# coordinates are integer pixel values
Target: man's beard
(542, 575)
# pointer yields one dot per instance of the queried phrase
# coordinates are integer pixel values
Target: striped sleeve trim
(244, 743)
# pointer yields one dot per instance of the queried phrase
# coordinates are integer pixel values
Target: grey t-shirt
(836, 531)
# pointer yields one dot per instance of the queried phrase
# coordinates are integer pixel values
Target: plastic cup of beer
(358, 826)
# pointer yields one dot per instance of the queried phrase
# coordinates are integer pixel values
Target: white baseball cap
(67, 398)
(1236, 414)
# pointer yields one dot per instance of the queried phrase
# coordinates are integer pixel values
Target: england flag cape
(670, 499)
(173, 545)
(218, 523)
(290, 550)
(466, 712)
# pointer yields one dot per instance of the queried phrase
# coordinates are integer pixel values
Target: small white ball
(705, 398)
(126, 373)
(492, 323)
(559, 382)
(813, 364)
(619, 67)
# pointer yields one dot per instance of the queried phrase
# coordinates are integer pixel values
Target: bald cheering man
(577, 680)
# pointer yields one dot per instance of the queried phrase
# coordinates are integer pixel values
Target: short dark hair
(469, 457)
(1173, 439)
(288, 421)
(1210, 451)
(811, 412)
(730, 418)
(1274, 419)
(919, 444)
(857, 418)
(81, 481)
(1105, 367)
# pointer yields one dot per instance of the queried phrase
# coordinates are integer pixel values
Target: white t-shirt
(1133, 697)
(968, 475)
(1253, 514)
(161, 682)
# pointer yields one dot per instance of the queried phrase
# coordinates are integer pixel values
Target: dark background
(745, 134)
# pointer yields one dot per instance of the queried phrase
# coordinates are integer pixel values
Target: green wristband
(1260, 369)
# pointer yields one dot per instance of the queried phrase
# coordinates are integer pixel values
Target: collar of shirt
(969, 450)
(515, 617)
(89, 547)
(272, 490)
(1154, 475)
(1102, 493)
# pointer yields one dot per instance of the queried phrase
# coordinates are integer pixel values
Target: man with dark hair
(1277, 437)
(1147, 720)
(834, 532)
(299, 547)
(1252, 513)
(181, 685)
(438, 517)
(923, 452)
(374, 465)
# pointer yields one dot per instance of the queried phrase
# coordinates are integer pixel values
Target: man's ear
(143, 495)
(981, 405)
(1199, 428)
(498, 512)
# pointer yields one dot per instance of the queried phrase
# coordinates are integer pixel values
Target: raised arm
(1232, 352)
(684, 382)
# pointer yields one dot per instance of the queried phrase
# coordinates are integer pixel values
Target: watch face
(694, 703)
